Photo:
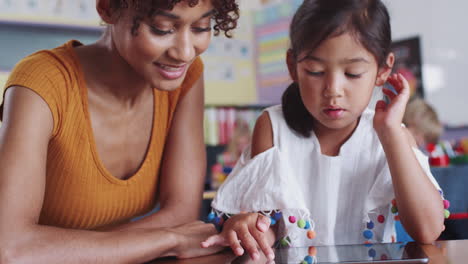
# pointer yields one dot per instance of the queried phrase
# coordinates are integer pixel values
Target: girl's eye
(161, 32)
(353, 76)
(315, 73)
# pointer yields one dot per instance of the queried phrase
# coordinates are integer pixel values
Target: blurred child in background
(422, 121)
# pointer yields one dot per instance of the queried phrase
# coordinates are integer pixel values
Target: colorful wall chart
(271, 44)
(229, 66)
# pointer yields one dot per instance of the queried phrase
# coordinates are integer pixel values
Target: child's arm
(419, 203)
(250, 230)
(253, 227)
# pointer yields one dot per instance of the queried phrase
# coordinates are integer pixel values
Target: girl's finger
(248, 242)
(405, 87)
(391, 95)
(263, 223)
(215, 240)
(234, 243)
(393, 80)
(263, 244)
(380, 106)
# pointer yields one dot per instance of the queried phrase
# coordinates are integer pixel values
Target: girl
(322, 164)
(93, 136)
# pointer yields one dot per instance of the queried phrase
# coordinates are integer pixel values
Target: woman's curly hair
(225, 17)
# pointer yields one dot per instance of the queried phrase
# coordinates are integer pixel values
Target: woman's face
(165, 45)
(336, 81)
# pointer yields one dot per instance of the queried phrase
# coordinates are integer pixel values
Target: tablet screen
(354, 254)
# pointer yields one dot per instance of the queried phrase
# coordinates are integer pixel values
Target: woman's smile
(171, 72)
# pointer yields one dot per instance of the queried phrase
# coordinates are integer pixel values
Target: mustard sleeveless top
(80, 192)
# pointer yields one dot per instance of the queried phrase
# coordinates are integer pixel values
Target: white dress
(346, 199)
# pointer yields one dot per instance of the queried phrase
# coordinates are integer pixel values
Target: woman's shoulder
(49, 74)
(48, 65)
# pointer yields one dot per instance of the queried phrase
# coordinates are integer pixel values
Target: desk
(441, 252)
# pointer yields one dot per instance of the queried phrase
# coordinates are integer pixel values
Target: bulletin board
(229, 66)
(271, 43)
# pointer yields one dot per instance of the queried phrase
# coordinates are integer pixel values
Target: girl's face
(336, 81)
(166, 45)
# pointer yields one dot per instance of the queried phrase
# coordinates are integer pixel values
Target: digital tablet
(407, 253)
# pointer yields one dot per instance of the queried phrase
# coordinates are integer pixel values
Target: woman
(95, 135)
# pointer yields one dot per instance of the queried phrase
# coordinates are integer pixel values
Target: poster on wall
(408, 63)
(271, 43)
(229, 66)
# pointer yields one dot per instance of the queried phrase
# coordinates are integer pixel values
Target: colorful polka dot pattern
(368, 233)
(446, 204)
(218, 218)
(303, 224)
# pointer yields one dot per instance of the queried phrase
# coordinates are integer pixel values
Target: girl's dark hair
(226, 16)
(317, 20)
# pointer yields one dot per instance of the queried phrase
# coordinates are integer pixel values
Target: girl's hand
(244, 231)
(390, 116)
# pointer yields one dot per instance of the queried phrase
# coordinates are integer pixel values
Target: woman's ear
(385, 70)
(107, 14)
(291, 62)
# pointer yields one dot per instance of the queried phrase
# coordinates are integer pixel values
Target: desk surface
(441, 252)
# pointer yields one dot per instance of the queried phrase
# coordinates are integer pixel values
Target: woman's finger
(234, 243)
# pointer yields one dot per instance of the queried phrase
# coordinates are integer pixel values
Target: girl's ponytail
(295, 113)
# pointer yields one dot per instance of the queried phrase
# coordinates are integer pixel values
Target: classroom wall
(443, 30)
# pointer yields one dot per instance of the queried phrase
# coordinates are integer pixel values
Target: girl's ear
(291, 62)
(385, 70)
(105, 11)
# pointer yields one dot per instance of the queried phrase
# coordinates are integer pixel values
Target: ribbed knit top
(80, 192)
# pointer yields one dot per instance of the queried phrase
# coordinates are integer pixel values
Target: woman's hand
(389, 116)
(188, 238)
(244, 231)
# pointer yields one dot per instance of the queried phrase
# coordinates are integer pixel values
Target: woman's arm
(250, 231)
(24, 139)
(419, 204)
